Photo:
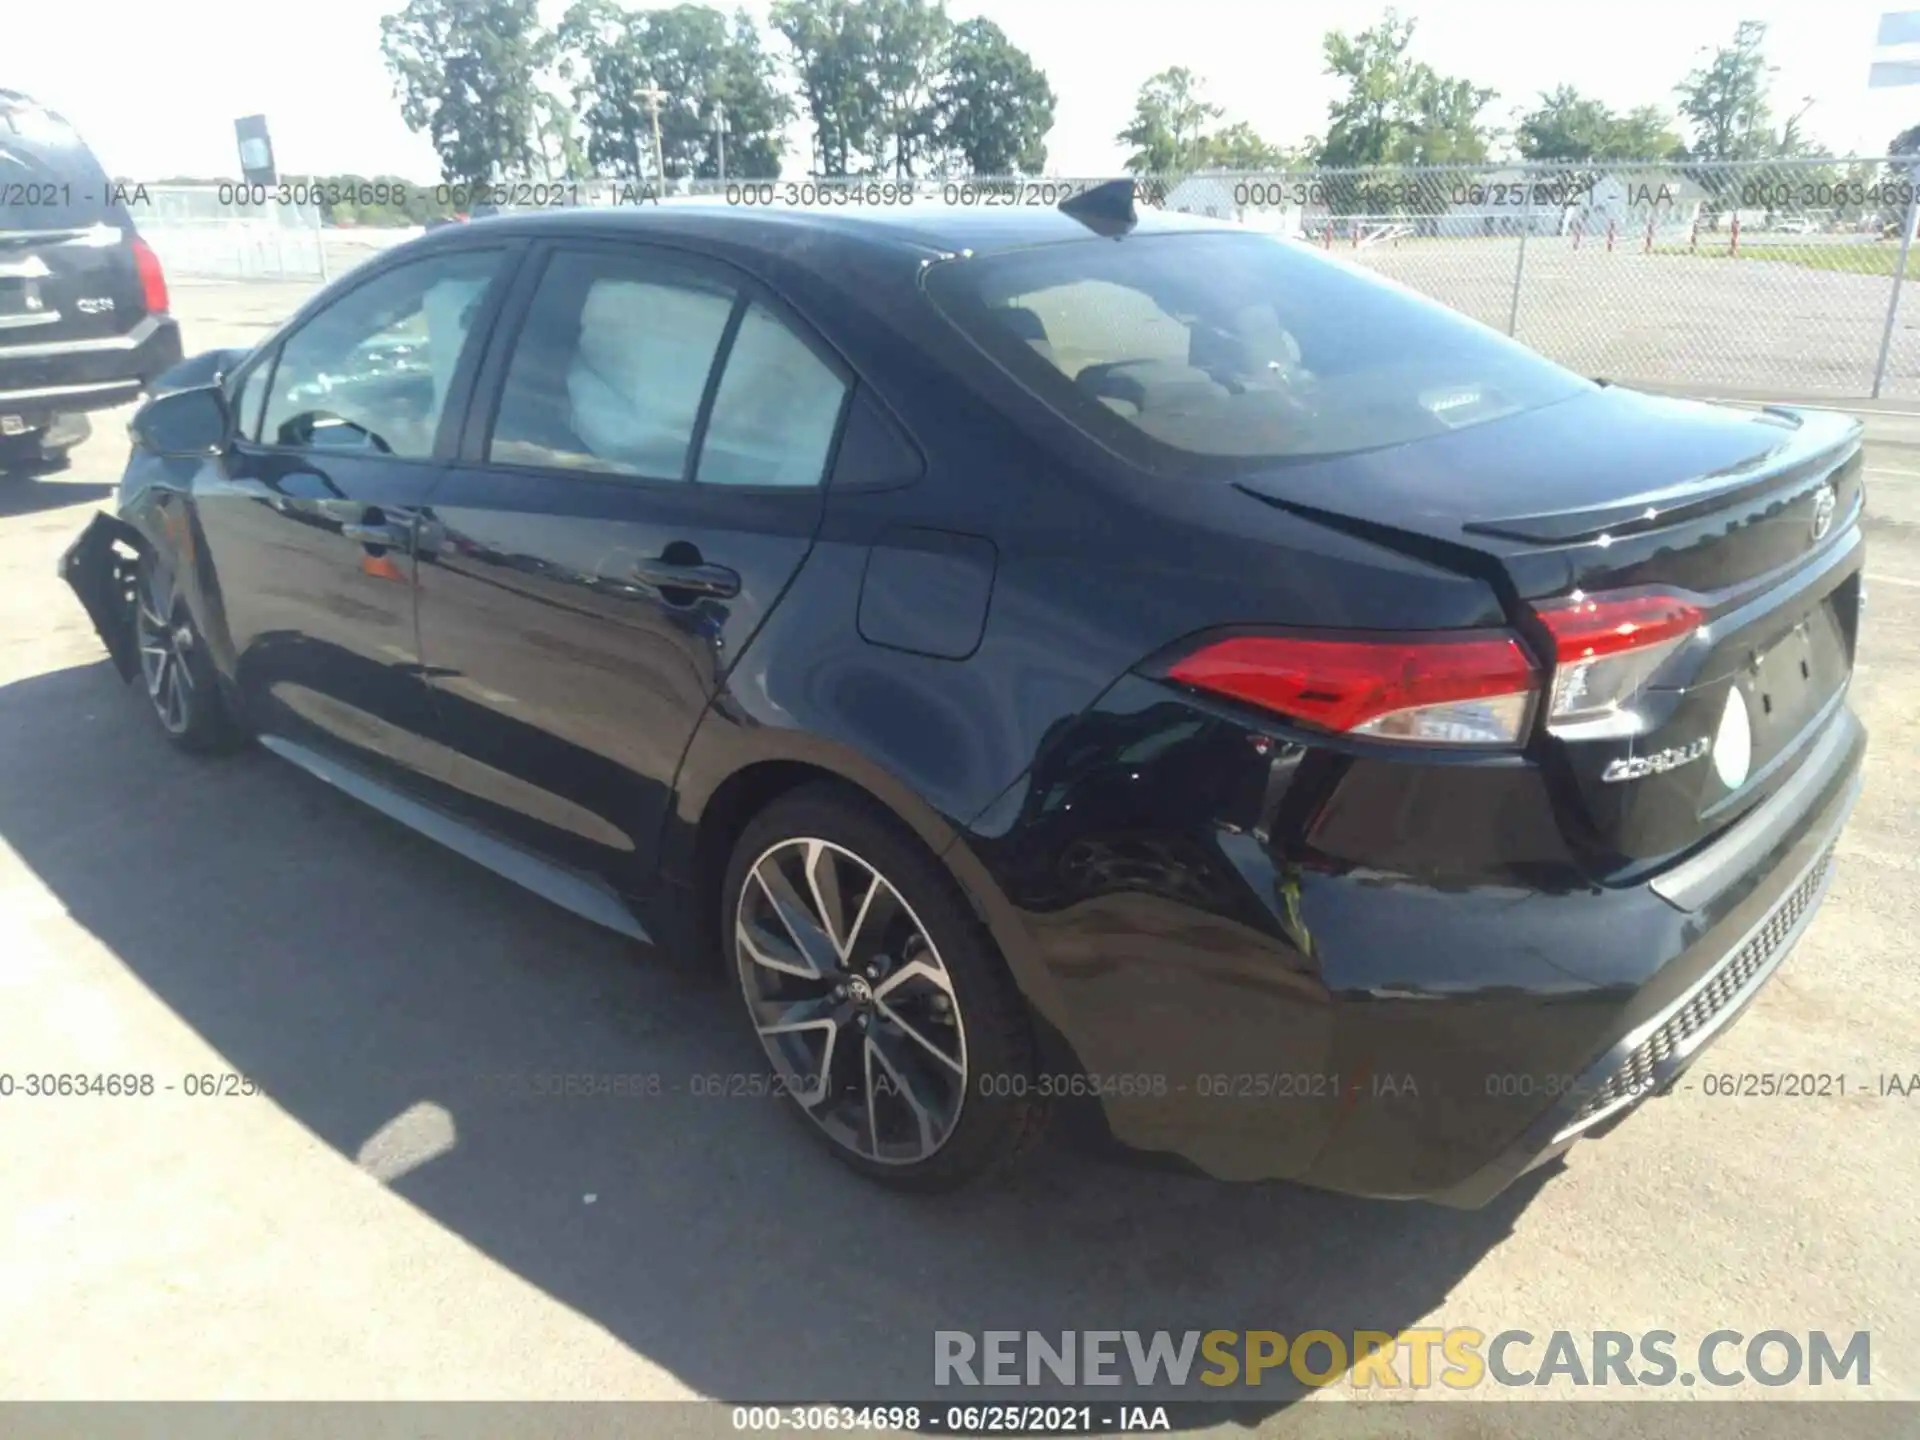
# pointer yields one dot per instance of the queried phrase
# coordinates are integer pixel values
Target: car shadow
(379, 988)
(31, 489)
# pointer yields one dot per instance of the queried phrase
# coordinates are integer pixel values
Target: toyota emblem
(1825, 502)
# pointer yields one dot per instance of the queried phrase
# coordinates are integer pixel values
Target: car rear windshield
(49, 179)
(1235, 347)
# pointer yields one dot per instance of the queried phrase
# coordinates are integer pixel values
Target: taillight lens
(1606, 648)
(153, 281)
(1455, 689)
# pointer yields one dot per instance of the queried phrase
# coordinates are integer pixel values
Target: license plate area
(1789, 681)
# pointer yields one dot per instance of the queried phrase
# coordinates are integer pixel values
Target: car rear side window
(610, 366)
(776, 411)
(371, 372)
(1232, 348)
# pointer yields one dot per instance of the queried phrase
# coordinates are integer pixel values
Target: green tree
(1907, 142)
(700, 63)
(466, 72)
(1170, 119)
(563, 154)
(1398, 110)
(1567, 125)
(758, 108)
(995, 104)
(834, 63)
(908, 42)
(1725, 100)
(1240, 147)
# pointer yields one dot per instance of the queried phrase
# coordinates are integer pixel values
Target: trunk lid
(1752, 516)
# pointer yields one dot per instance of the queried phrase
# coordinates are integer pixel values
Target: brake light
(1606, 647)
(1461, 688)
(153, 281)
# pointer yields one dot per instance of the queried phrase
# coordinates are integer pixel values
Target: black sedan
(1049, 660)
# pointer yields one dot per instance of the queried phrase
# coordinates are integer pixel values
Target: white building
(1630, 201)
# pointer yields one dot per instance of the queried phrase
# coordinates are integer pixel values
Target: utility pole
(653, 95)
(720, 137)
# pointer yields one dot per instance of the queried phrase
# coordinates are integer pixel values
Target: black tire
(176, 679)
(983, 1020)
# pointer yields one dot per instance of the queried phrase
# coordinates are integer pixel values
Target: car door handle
(695, 576)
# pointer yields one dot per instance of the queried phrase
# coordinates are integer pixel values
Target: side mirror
(185, 423)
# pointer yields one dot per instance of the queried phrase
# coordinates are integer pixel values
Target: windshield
(1235, 347)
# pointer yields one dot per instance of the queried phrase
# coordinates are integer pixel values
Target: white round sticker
(1733, 746)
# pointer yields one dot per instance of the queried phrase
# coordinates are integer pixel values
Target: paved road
(380, 1223)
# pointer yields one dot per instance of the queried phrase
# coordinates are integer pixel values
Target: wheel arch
(732, 772)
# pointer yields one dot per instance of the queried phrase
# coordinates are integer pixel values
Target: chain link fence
(1765, 279)
(203, 232)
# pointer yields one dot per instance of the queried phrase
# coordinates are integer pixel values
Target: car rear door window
(372, 371)
(776, 410)
(610, 367)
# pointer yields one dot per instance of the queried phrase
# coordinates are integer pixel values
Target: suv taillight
(1454, 688)
(1606, 648)
(153, 281)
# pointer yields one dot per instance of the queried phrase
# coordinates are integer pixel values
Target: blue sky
(156, 88)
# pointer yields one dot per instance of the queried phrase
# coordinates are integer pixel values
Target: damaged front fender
(102, 566)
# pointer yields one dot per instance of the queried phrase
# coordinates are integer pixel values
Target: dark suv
(83, 302)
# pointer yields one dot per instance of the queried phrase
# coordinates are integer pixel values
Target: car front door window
(372, 372)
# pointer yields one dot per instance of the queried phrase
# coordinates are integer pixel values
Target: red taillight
(1589, 627)
(153, 281)
(1606, 647)
(1474, 689)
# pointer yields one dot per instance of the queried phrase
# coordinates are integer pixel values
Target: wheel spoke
(816, 948)
(869, 930)
(816, 1016)
(772, 952)
(902, 1088)
(823, 880)
(914, 1034)
(918, 968)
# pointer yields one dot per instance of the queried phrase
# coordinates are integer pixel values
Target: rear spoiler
(1807, 452)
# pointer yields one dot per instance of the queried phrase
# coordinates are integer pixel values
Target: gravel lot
(379, 1223)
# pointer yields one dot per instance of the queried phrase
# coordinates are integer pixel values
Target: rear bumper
(44, 378)
(1232, 1001)
(1648, 1060)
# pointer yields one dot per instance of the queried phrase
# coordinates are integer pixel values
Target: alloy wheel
(851, 1000)
(165, 640)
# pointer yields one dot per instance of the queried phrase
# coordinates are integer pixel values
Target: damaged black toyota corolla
(1066, 656)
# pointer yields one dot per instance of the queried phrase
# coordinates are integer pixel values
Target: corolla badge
(1638, 767)
(1825, 502)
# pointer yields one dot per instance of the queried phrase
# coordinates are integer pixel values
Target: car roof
(923, 228)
